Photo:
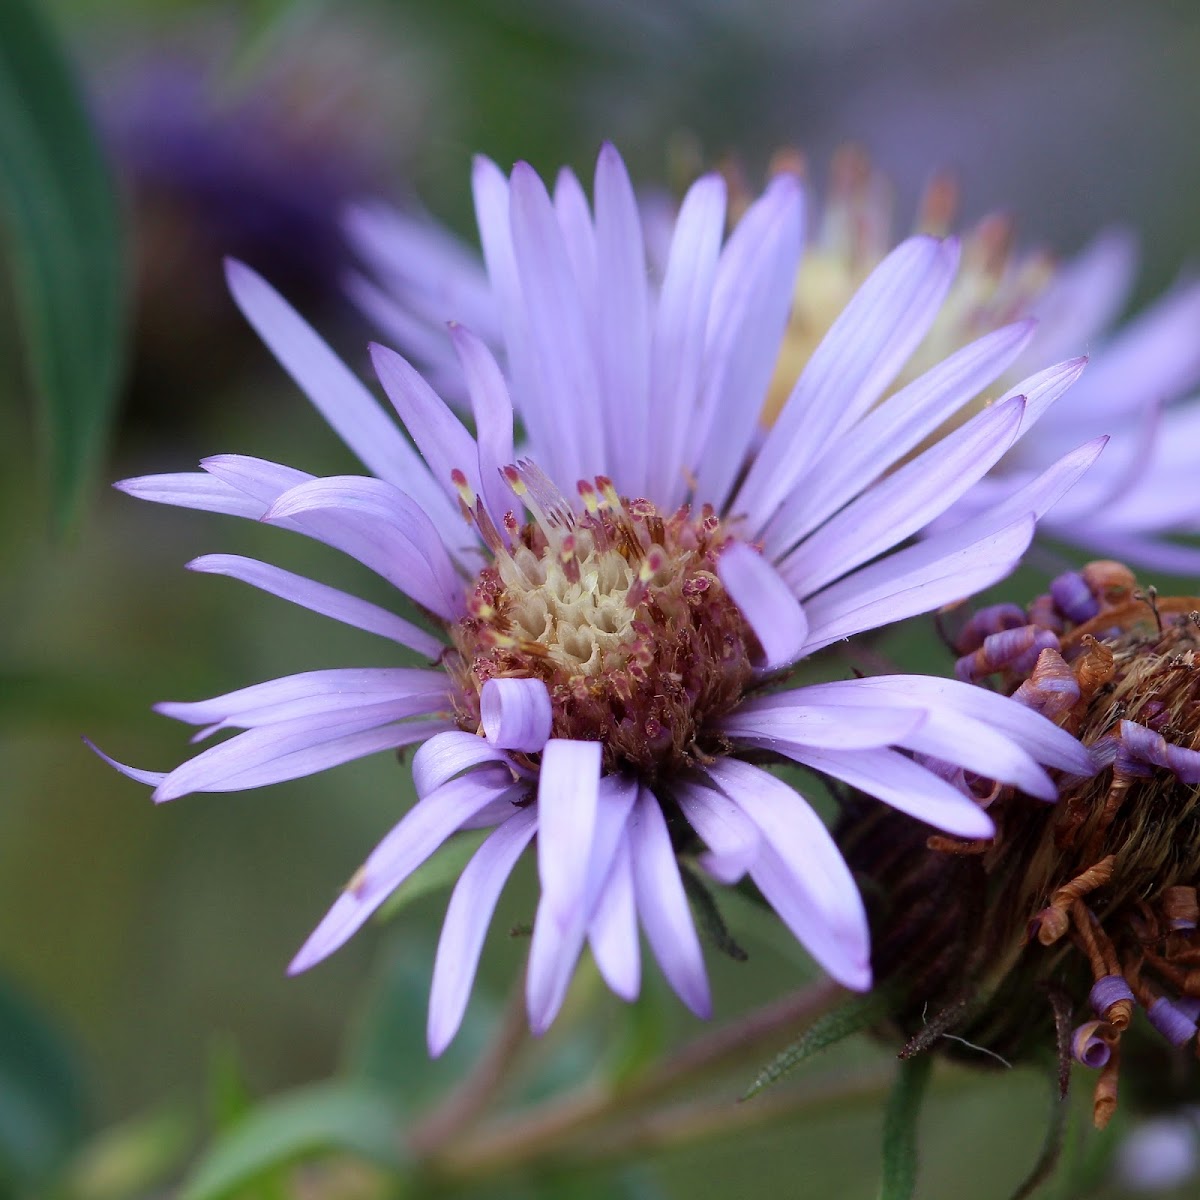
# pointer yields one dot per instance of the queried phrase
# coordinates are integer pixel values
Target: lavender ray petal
(905, 785)
(841, 947)
(907, 499)
(417, 835)
(566, 424)
(579, 238)
(1043, 390)
(920, 578)
(319, 598)
(382, 528)
(752, 297)
(449, 754)
(441, 437)
(1085, 296)
(292, 749)
(887, 433)
(622, 323)
(150, 778)
(260, 478)
(1040, 737)
(493, 412)
(732, 839)
(398, 323)
(801, 871)
(312, 692)
(472, 905)
(860, 355)
(791, 716)
(663, 908)
(516, 714)
(766, 602)
(568, 788)
(192, 489)
(613, 932)
(677, 344)
(337, 393)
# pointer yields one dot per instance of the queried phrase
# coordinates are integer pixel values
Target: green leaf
(41, 1100)
(435, 874)
(132, 1159)
(900, 1120)
(852, 1017)
(59, 208)
(322, 1119)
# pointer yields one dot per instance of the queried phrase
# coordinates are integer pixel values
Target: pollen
(619, 610)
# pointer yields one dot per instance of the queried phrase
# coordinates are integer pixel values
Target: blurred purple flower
(603, 668)
(1140, 496)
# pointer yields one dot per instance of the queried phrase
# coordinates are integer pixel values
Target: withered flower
(1076, 925)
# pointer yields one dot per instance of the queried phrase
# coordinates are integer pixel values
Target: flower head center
(619, 610)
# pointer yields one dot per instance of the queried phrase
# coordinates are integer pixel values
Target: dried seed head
(1091, 902)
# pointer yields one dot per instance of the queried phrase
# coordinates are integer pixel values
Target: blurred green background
(154, 942)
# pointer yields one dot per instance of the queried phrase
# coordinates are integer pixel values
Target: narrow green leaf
(59, 210)
(852, 1017)
(435, 874)
(900, 1120)
(325, 1118)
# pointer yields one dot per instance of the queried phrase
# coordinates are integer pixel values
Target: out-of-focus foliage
(65, 243)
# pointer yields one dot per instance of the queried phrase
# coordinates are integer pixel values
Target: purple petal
(839, 943)
(677, 347)
(1085, 296)
(579, 238)
(266, 481)
(150, 778)
(1043, 390)
(860, 355)
(441, 437)
(766, 602)
(314, 692)
(472, 904)
(419, 833)
(622, 322)
(905, 785)
(923, 577)
(568, 786)
(752, 297)
(192, 489)
(319, 598)
(613, 932)
(292, 749)
(516, 714)
(1040, 737)
(887, 433)
(797, 716)
(907, 499)
(801, 872)
(337, 392)
(732, 839)
(380, 526)
(566, 425)
(449, 754)
(663, 908)
(493, 412)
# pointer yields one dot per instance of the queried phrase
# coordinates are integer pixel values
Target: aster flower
(613, 617)
(1133, 504)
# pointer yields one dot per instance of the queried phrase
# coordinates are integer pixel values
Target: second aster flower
(612, 620)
